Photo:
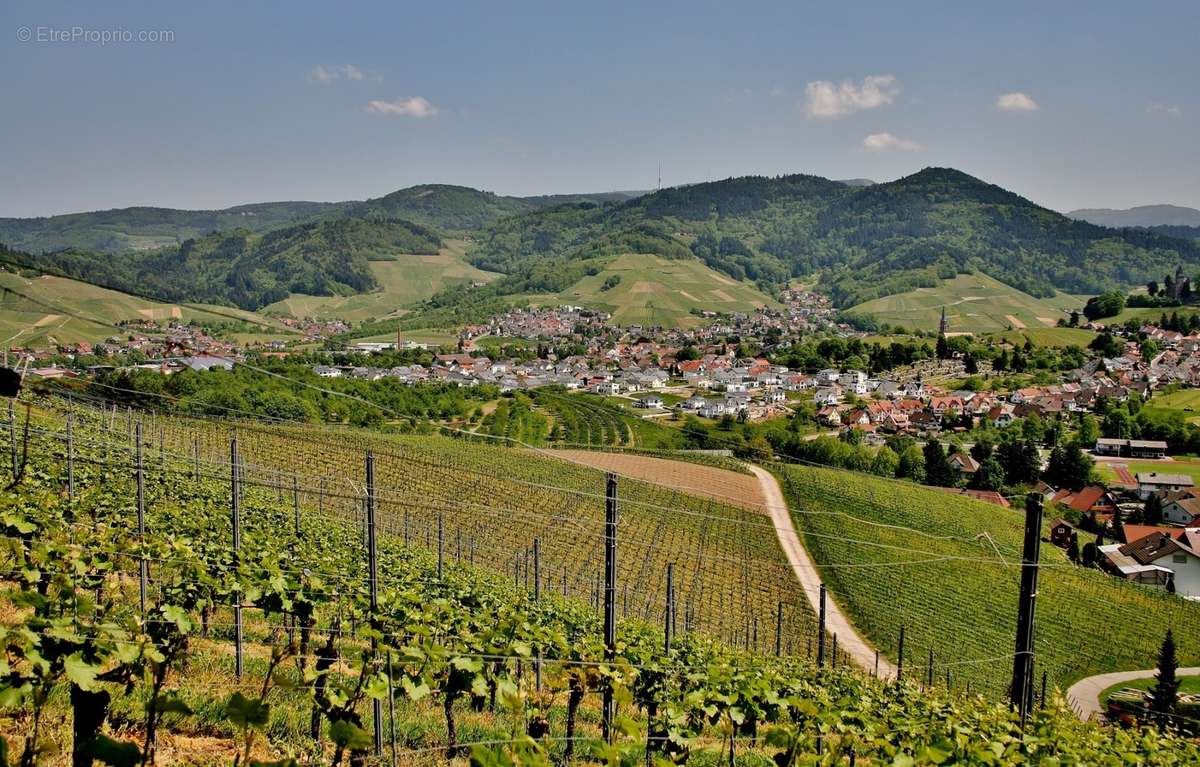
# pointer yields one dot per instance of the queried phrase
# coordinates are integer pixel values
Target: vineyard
(945, 569)
(183, 591)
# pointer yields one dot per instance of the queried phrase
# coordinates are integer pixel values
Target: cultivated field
(974, 303)
(659, 291)
(720, 484)
(402, 282)
(946, 570)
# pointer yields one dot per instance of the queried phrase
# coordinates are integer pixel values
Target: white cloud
(827, 99)
(1016, 102)
(883, 142)
(410, 107)
(323, 74)
(1174, 110)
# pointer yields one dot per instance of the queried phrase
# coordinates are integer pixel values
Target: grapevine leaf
(79, 671)
(414, 690)
(247, 712)
(350, 736)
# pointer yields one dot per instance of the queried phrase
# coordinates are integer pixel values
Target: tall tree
(1164, 696)
(938, 470)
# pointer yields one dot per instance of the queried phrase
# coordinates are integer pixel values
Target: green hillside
(954, 592)
(974, 303)
(40, 309)
(248, 270)
(652, 290)
(863, 242)
(401, 281)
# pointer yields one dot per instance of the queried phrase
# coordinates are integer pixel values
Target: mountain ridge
(1141, 215)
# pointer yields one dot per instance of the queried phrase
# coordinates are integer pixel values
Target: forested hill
(250, 270)
(123, 229)
(863, 241)
(441, 206)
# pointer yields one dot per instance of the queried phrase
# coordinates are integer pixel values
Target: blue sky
(1071, 104)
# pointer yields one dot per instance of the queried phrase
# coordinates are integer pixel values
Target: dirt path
(836, 622)
(1084, 695)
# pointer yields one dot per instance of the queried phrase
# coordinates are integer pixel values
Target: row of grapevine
(125, 591)
(947, 569)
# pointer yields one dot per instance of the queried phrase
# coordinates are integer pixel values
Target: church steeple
(942, 324)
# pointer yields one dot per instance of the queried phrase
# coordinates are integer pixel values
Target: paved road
(836, 622)
(1084, 695)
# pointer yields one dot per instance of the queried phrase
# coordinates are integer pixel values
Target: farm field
(481, 488)
(276, 653)
(27, 322)
(974, 303)
(659, 291)
(899, 555)
(403, 281)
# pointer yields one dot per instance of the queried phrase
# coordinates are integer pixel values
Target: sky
(208, 105)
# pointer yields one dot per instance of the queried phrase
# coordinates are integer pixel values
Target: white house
(1159, 560)
(827, 395)
(1153, 482)
(713, 408)
(653, 402)
(1182, 511)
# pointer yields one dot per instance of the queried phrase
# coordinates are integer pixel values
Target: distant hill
(251, 270)
(1144, 215)
(442, 206)
(124, 229)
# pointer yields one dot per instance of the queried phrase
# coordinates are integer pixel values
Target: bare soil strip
(705, 481)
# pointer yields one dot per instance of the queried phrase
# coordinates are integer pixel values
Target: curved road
(1084, 695)
(836, 622)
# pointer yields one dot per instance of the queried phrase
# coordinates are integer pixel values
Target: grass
(1057, 337)
(896, 555)
(1150, 313)
(25, 322)
(402, 282)
(974, 303)
(1190, 468)
(1186, 401)
(428, 336)
(659, 291)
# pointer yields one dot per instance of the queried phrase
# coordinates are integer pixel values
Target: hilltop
(442, 206)
(863, 242)
(855, 241)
